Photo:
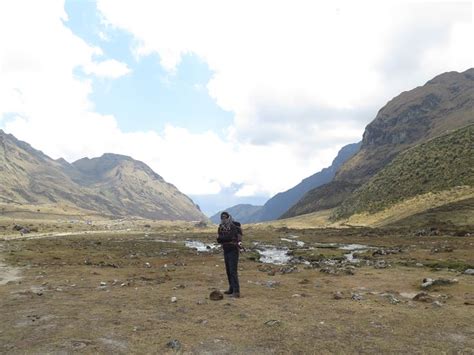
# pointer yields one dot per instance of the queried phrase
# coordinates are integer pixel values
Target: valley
(135, 286)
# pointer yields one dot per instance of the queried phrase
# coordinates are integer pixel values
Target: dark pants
(231, 257)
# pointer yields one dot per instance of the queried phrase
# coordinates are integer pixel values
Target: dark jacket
(231, 236)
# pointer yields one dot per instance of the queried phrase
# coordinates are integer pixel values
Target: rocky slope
(443, 104)
(112, 184)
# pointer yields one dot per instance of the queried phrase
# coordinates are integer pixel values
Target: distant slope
(111, 184)
(321, 198)
(281, 202)
(438, 164)
(444, 103)
(244, 213)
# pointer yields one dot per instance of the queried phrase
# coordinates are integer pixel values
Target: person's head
(225, 216)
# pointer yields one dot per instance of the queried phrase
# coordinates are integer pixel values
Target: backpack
(239, 227)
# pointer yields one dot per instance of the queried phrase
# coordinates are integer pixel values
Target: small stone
(174, 299)
(216, 295)
(356, 297)
(304, 282)
(148, 265)
(423, 297)
(338, 295)
(103, 284)
(272, 284)
(296, 295)
(437, 304)
(468, 272)
(419, 265)
(174, 344)
(272, 323)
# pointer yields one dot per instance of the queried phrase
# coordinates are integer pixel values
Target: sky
(230, 101)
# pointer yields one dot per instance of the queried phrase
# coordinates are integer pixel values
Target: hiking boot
(235, 295)
(228, 292)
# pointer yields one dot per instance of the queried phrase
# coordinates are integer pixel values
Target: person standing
(229, 234)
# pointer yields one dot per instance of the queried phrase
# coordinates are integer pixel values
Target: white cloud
(109, 68)
(302, 79)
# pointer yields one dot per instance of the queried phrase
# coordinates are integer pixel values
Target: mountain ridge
(111, 184)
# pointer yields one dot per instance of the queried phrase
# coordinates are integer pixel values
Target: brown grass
(74, 313)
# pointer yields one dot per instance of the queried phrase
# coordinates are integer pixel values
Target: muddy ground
(111, 292)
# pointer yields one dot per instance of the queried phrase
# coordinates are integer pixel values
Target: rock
(304, 282)
(356, 297)
(468, 272)
(437, 304)
(419, 265)
(216, 295)
(148, 265)
(174, 344)
(174, 299)
(338, 295)
(272, 323)
(296, 295)
(380, 264)
(272, 284)
(103, 284)
(391, 298)
(427, 282)
(288, 269)
(423, 297)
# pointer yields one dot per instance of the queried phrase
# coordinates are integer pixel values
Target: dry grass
(59, 305)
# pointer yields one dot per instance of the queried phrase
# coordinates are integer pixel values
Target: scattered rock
(304, 282)
(216, 295)
(148, 265)
(391, 298)
(201, 302)
(427, 282)
(380, 264)
(378, 252)
(356, 297)
(272, 323)
(288, 269)
(469, 272)
(423, 297)
(174, 344)
(174, 299)
(427, 232)
(338, 295)
(444, 249)
(437, 304)
(272, 284)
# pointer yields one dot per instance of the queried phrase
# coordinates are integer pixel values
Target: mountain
(443, 104)
(439, 164)
(244, 213)
(281, 202)
(112, 184)
(324, 197)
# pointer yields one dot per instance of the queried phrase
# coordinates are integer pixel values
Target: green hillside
(435, 165)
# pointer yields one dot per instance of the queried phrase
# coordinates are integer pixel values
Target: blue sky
(149, 97)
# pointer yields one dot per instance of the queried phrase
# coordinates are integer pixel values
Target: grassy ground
(59, 304)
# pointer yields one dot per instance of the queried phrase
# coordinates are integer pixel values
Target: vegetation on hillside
(441, 163)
